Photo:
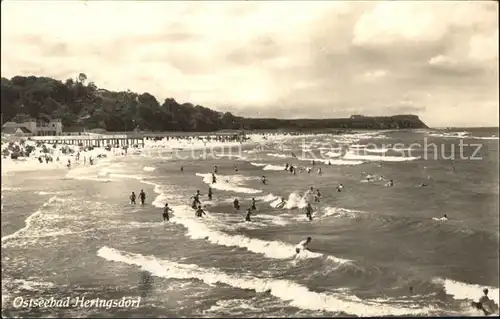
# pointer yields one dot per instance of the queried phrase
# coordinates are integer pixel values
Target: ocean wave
(228, 183)
(340, 212)
(208, 229)
(148, 168)
(29, 220)
(298, 295)
(333, 154)
(332, 161)
(352, 156)
(270, 167)
(258, 164)
(278, 155)
(267, 198)
(294, 201)
(464, 291)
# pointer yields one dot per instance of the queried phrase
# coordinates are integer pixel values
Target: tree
(82, 78)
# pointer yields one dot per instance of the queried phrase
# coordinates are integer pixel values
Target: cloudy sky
(438, 60)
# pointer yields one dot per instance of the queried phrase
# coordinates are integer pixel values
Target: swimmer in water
(317, 196)
(132, 198)
(182, 168)
(210, 194)
(340, 188)
(390, 183)
(142, 196)
(286, 166)
(247, 217)
(303, 245)
(309, 211)
(216, 169)
(263, 180)
(214, 179)
(236, 204)
(196, 197)
(253, 206)
(166, 210)
(282, 204)
(200, 212)
(485, 304)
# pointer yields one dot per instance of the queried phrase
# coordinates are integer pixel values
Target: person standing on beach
(132, 198)
(166, 210)
(142, 196)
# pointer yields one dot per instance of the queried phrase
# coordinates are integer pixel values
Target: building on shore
(52, 127)
(74, 131)
(16, 131)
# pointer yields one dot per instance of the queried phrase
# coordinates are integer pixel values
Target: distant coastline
(81, 103)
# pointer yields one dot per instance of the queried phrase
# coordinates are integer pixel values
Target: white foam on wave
(376, 150)
(294, 201)
(258, 164)
(271, 167)
(484, 137)
(378, 158)
(148, 168)
(278, 155)
(47, 193)
(333, 154)
(298, 295)
(208, 229)
(332, 161)
(228, 183)
(324, 148)
(464, 291)
(267, 198)
(340, 212)
(29, 220)
(33, 285)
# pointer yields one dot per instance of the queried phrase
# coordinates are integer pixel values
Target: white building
(38, 128)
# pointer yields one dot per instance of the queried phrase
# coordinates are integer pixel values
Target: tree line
(78, 102)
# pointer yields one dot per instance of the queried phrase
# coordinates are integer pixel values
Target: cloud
(271, 59)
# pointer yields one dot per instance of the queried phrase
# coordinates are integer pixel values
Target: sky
(286, 59)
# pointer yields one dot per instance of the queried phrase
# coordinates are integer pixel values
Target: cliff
(83, 104)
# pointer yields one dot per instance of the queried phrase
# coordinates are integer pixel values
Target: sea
(376, 250)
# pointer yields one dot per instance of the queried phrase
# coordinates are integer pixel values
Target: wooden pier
(93, 140)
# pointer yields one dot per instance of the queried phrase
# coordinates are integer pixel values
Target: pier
(93, 140)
